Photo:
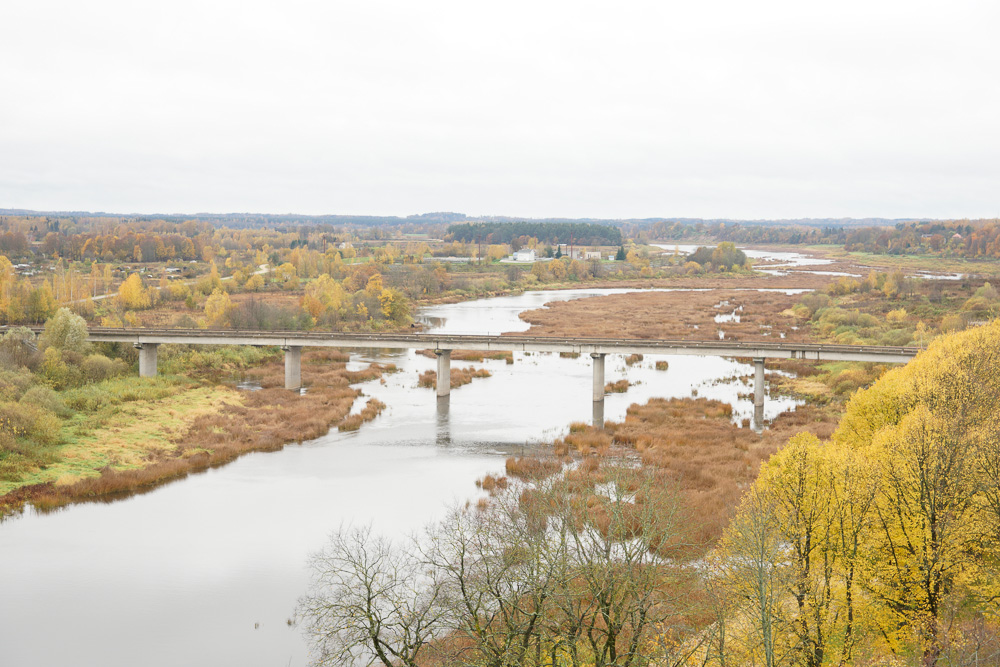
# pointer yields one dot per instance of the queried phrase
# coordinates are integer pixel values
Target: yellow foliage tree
(218, 306)
(887, 531)
(132, 294)
(323, 296)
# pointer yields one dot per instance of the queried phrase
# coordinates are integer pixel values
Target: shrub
(43, 397)
(953, 322)
(30, 422)
(14, 383)
(814, 302)
(66, 331)
(17, 348)
(97, 368)
(896, 316)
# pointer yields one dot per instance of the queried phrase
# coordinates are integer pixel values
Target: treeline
(956, 238)
(544, 232)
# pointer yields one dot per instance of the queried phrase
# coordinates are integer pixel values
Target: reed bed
(373, 408)
(617, 387)
(459, 377)
(531, 467)
(694, 448)
(763, 316)
(492, 483)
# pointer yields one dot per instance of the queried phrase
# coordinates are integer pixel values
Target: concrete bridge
(147, 342)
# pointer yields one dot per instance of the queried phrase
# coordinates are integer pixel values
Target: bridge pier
(598, 376)
(443, 372)
(147, 359)
(598, 416)
(758, 382)
(293, 367)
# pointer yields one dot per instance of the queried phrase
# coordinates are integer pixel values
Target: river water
(207, 570)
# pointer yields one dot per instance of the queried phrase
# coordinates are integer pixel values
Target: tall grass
(459, 377)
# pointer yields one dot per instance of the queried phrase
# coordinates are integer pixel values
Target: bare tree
(371, 603)
(546, 574)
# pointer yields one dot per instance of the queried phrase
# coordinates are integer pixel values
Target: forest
(545, 232)
(966, 239)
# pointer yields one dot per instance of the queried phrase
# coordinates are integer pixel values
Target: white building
(526, 255)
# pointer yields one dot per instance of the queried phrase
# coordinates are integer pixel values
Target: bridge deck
(517, 343)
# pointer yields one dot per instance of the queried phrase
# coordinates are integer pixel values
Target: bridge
(147, 341)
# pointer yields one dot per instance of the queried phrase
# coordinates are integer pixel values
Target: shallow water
(207, 570)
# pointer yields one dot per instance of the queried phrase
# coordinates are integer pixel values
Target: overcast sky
(607, 109)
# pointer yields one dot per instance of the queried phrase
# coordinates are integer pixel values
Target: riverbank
(181, 425)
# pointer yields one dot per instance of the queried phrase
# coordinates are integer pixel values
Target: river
(207, 570)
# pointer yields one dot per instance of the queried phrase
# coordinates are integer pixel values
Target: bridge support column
(599, 414)
(758, 383)
(443, 372)
(598, 376)
(293, 367)
(147, 359)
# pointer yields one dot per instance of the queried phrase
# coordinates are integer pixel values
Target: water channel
(207, 570)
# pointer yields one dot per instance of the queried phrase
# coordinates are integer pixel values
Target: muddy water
(207, 571)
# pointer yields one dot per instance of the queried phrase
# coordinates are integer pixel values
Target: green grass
(911, 262)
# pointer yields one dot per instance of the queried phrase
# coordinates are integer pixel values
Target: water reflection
(443, 421)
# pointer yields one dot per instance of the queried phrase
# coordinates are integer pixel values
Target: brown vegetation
(491, 483)
(530, 467)
(459, 377)
(617, 387)
(373, 408)
(694, 447)
(671, 315)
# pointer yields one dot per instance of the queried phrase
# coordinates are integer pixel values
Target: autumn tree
(133, 295)
(218, 306)
(66, 331)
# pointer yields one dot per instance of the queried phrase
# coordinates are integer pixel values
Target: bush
(43, 397)
(66, 331)
(57, 372)
(29, 422)
(814, 302)
(97, 368)
(896, 316)
(93, 397)
(17, 348)
(14, 383)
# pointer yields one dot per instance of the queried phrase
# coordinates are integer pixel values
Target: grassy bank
(128, 434)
